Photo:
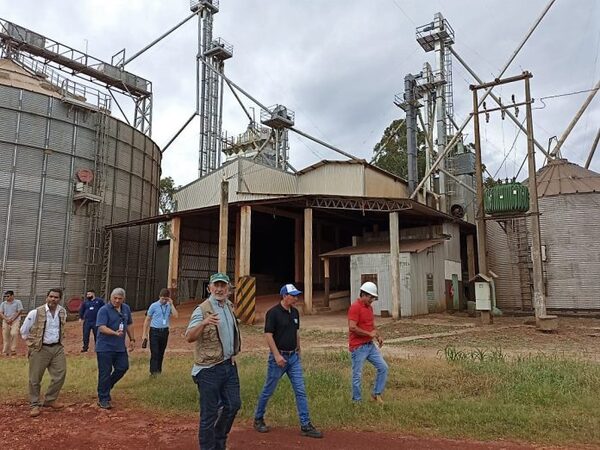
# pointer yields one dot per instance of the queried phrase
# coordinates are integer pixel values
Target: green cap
(219, 276)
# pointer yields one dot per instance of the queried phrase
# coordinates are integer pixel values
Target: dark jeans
(158, 344)
(219, 389)
(87, 327)
(111, 368)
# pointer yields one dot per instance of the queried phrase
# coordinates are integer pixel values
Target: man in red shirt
(362, 332)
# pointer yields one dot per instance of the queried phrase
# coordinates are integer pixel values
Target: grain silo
(569, 202)
(67, 169)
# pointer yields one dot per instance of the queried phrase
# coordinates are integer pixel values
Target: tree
(390, 152)
(166, 204)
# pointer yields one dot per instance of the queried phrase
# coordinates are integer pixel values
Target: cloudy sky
(339, 63)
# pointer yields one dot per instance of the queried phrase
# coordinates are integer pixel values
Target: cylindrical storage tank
(66, 171)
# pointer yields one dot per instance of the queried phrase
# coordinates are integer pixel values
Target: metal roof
(11, 74)
(382, 247)
(560, 177)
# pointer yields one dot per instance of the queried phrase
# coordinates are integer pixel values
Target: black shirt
(284, 325)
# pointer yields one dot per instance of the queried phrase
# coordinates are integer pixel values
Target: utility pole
(536, 250)
(486, 317)
(223, 226)
(539, 299)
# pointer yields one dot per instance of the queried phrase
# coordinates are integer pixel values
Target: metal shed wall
(45, 239)
(325, 179)
(378, 184)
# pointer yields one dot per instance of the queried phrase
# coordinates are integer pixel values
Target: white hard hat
(370, 288)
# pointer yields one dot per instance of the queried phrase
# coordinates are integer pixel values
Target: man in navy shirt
(113, 322)
(87, 314)
(158, 318)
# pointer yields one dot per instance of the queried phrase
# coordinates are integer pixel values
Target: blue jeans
(293, 369)
(111, 368)
(219, 389)
(87, 327)
(372, 354)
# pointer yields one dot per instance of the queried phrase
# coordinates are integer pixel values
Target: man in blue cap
(214, 330)
(282, 324)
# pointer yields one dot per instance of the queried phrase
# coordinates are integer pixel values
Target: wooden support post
(308, 262)
(326, 281)
(174, 257)
(245, 235)
(298, 269)
(223, 227)
(395, 264)
(471, 256)
(237, 248)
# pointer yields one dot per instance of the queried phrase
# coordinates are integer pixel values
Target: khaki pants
(10, 335)
(51, 358)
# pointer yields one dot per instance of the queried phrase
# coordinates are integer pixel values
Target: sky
(338, 64)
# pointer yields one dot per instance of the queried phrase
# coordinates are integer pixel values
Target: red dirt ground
(85, 426)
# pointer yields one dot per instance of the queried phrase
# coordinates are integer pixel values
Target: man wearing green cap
(214, 330)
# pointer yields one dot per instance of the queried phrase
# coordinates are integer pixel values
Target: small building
(422, 285)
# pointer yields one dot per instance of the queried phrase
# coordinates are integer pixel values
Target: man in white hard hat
(362, 332)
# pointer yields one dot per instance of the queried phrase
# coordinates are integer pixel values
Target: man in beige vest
(44, 332)
(214, 330)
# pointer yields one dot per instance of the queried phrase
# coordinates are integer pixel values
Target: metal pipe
(411, 131)
(325, 144)
(237, 97)
(69, 214)
(154, 42)
(178, 133)
(11, 192)
(566, 133)
(119, 106)
(593, 150)
(497, 100)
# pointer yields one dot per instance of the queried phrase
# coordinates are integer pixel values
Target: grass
(478, 394)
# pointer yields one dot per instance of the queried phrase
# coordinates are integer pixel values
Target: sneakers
(54, 405)
(261, 426)
(377, 399)
(35, 411)
(104, 405)
(309, 430)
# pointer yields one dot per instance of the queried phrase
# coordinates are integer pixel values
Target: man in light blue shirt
(214, 330)
(156, 327)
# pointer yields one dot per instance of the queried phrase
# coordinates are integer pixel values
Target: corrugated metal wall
(44, 235)
(570, 227)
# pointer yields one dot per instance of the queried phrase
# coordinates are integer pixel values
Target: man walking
(113, 322)
(44, 331)
(10, 315)
(87, 314)
(282, 323)
(157, 320)
(362, 331)
(213, 327)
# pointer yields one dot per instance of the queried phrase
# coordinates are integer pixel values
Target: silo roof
(11, 74)
(560, 177)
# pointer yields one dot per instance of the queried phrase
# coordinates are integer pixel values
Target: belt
(51, 345)
(287, 352)
(162, 330)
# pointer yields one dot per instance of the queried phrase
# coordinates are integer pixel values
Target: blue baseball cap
(289, 289)
(219, 276)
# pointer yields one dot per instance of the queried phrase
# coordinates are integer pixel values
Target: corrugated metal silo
(51, 226)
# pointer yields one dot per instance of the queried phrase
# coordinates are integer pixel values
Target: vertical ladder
(449, 91)
(106, 265)
(96, 210)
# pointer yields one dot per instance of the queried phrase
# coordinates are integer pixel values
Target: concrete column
(308, 263)
(174, 244)
(395, 264)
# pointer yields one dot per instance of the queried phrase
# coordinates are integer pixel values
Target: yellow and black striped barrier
(245, 300)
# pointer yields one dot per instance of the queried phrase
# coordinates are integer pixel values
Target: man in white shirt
(44, 331)
(10, 315)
